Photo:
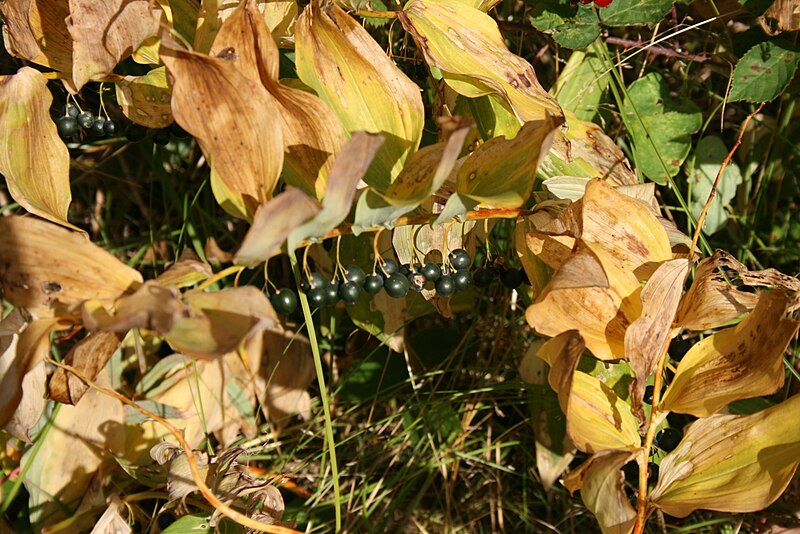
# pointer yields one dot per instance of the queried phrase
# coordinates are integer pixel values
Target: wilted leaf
(574, 299)
(31, 406)
(731, 463)
(785, 13)
(36, 30)
(187, 271)
(81, 438)
(346, 67)
(33, 159)
(12, 367)
(501, 172)
(350, 166)
(272, 224)
(537, 270)
(466, 45)
(719, 291)
(286, 372)
(103, 33)
(44, 266)
(312, 132)
(111, 522)
(146, 99)
(660, 126)
(89, 356)
(229, 115)
(736, 363)
(600, 481)
(646, 338)
(625, 227)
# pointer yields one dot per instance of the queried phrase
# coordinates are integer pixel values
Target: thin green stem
(323, 391)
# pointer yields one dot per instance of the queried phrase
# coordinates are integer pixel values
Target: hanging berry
(598, 3)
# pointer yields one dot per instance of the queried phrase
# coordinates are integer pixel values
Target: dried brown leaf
(647, 337)
(33, 159)
(785, 13)
(44, 267)
(89, 356)
(31, 406)
(103, 33)
(146, 99)
(187, 271)
(716, 296)
(36, 30)
(229, 115)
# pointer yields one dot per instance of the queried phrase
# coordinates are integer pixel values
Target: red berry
(602, 3)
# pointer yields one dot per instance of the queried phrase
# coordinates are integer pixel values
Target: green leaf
(192, 524)
(660, 126)
(571, 26)
(491, 118)
(704, 166)
(581, 85)
(633, 12)
(763, 72)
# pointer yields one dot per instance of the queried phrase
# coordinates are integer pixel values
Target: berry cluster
(396, 280)
(72, 120)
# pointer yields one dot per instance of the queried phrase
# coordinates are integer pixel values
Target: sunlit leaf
(103, 33)
(348, 169)
(312, 132)
(736, 363)
(731, 463)
(44, 267)
(465, 44)
(784, 13)
(625, 227)
(575, 299)
(36, 30)
(581, 84)
(647, 336)
(229, 115)
(89, 357)
(81, 438)
(586, 150)
(187, 271)
(273, 223)
(349, 70)
(501, 172)
(536, 269)
(146, 99)
(600, 481)
(721, 291)
(33, 159)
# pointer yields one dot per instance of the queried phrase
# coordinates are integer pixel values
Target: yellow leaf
(715, 297)
(647, 337)
(273, 223)
(346, 67)
(576, 298)
(229, 115)
(600, 481)
(625, 227)
(597, 419)
(731, 463)
(466, 45)
(81, 439)
(312, 133)
(736, 363)
(103, 33)
(45, 268)
(33, 159)
(501, 172)
(146, 99)
(187, 271)
(36, 30)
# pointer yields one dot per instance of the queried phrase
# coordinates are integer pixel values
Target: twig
(212, 499)
(701, 219)
(656, 50)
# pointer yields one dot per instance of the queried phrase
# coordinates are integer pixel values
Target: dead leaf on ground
(89, 356)
(736, 363)
(33, 158)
